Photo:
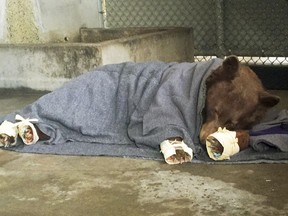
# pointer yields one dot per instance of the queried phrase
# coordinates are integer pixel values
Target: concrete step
(47, 66)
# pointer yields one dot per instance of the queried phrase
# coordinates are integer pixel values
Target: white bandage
(227, 139)
(9, 129)
(168, 148)
(23, 125)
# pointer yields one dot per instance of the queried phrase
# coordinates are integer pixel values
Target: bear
(146, 104)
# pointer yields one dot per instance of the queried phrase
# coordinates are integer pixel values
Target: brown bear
(131, 108)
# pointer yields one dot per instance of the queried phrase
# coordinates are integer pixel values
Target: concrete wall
(42, 42)
(47, 66)
(38, 21)
(168, 46)
(44, 66)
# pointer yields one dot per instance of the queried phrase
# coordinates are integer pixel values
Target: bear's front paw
(8, 134)
(176, 152)
(27, 130)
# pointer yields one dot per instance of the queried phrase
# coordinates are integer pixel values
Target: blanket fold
(271, 135)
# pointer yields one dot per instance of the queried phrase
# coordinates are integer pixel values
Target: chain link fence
(257, 30)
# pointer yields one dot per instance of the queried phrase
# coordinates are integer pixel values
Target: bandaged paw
(176, 152)
(8, 134)
(222, 144)
(27, 130)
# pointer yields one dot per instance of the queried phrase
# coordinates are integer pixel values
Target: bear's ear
(226, 72)
(268, 100)
(231, 65)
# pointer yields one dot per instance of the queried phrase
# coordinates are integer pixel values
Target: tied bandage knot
(222, 144)
(27, 130)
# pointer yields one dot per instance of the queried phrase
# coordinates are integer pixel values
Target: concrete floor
(37, 185)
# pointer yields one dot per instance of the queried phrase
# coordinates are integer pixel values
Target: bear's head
(236, 98)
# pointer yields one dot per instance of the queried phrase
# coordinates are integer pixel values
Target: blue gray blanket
(272, 134)
(127, 110)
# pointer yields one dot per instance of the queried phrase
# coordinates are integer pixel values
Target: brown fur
(236, 99)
